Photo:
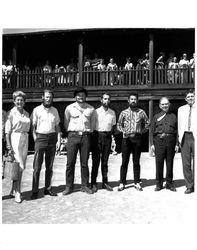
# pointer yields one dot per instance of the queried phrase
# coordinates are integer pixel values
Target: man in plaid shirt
(132, 122)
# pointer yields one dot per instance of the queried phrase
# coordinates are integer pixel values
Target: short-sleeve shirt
(79, 119)
(45, 119)
(17, 122)
(105, 119)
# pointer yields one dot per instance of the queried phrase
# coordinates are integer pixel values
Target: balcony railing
(137, 76)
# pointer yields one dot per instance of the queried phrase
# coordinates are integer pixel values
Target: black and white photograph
(98, 129)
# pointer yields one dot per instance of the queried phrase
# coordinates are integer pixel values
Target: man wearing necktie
(164, 130)
(186, 135)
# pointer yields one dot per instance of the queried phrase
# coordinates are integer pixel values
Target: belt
(104, 132)
(79, 133)
(164, 135)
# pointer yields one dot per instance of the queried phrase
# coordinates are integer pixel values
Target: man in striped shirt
(132, 122)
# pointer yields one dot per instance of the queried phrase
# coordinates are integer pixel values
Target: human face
(19, 102)
(190, 98)
(80, 97)
(132, 101)
(164, 105)
(105, 101)
(47, 100)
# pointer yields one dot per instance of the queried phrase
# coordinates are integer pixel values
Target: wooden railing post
(80, 61)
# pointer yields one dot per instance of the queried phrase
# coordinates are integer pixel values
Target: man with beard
(132, 122)
(79, 121)
(186, 137)
(164, 131)
(101, 142)
(46, 135)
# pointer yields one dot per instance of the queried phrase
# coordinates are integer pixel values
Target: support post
(150, 118)
(151, 61)
(80, 61)
(14, 57)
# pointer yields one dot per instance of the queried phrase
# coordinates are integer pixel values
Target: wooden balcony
(170, 82)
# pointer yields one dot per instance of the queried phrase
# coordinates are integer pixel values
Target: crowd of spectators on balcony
(64, 74)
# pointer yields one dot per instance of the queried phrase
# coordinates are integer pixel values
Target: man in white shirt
(186, 135)
(101, 142)
(46, 134)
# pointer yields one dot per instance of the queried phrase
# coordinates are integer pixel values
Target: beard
(133, 105)
(47, 105)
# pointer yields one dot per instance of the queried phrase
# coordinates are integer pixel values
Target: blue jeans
(77, 143)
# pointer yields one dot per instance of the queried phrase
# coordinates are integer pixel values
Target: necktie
(189, 119)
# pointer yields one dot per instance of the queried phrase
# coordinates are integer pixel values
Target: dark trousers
(77, 143)
(131, 145)
(164, 150)
(187, 155)
(44, 144)
(101, 146)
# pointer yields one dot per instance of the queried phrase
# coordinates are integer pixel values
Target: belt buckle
(162, 135)
(80, 133)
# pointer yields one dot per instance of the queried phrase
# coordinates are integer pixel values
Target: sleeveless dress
(18, 125)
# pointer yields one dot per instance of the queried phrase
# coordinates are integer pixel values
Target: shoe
(67, 191)
(170, 187)
(12, 193)
(121, 187)
(158, 188)
(86, 190)
(17, 197)
(107, 187)
(49, 192)
(94, 188)
(34, 196)
(138, 186)
(189, 190)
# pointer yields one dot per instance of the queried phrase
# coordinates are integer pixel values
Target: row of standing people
(90, 129)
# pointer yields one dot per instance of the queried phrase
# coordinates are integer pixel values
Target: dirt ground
(127, 207)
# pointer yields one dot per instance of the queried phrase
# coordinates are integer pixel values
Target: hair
(189, 92)
(164, 97)
(80, 89)
(133, 94)
(48, 91)
(19, 93)
(105, 94)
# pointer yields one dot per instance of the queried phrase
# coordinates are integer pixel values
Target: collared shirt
(105, 119)
(17, 122)
(79, 119)
(183, 118)
(132, 121)
(45, 119)
(164, 123)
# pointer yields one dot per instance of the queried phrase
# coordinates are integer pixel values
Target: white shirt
(183, 117)
(79, 119)
(105, 119)
(17, 122)
(45, 119)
